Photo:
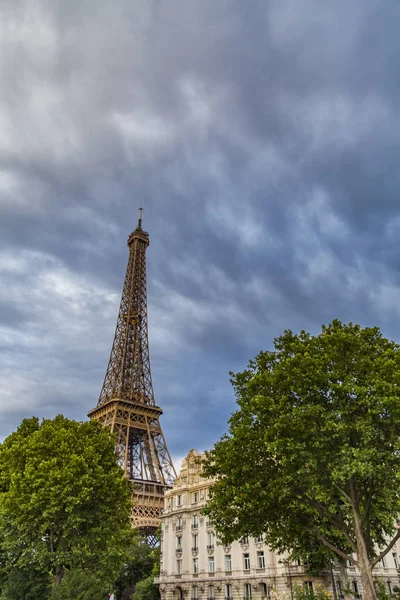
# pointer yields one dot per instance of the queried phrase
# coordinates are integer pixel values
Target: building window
(339, 588)
(195, 566)
(246, 562)
(228, 562)
(247, 591)
(308, 586)
(179, 542)
(195, 592)
(179, 500)
(228, 591)
(259, 539)
(211, 565)
(389, 587)
(211, 594)
(179, 567)
(355, 589)
(396, 563)
(195, 524)
(245, 540)
(195, 542)
(210, 544)
(179, 524)
(383, 562)
(195, 497)
(265, 589)
(261, 559)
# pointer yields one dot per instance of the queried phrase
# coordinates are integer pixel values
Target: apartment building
(195, 567)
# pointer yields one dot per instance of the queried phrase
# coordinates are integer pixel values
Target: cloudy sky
(261, 138)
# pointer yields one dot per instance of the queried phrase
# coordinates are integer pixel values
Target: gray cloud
(262, 141)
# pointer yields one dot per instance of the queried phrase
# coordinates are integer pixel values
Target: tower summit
(126, 404)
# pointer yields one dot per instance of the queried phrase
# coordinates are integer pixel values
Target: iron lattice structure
(126, 404)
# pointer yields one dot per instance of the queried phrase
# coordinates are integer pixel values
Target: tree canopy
(80, 585)
(137, 575)
(26, 584)
(312, 457)
(64, 502)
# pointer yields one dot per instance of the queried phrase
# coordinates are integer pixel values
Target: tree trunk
(363, 561)
(59, 575)
(369, 592)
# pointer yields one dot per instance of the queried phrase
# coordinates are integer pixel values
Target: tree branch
(332, 547)
(349, 500)
(336, 521)
(384, 552)
(367, 506)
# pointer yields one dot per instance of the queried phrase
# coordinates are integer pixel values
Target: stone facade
(195, 567)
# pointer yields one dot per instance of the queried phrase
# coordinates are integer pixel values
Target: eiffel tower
(126, 404)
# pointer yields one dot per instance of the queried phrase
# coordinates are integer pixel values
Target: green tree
(142, 564)
(26, 584)
(64, 502)
(312, 458)
(146, 590)
(80, 585)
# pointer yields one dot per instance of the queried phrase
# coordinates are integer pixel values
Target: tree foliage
(26, 584)
(80, 585)
(308, 593)
(312, 458)
(146, 590)
(141, 566)
(64, 502)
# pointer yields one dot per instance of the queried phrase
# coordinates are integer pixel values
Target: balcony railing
(195, 526)
(195, 549)
(210, 547)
